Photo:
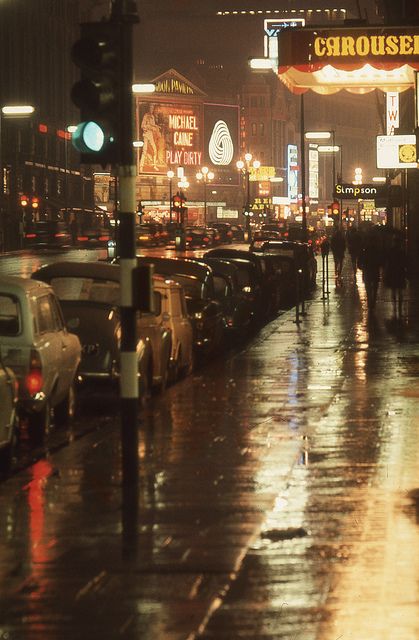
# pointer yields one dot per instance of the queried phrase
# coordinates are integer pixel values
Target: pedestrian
(354, 244)
(338, 245)
(370, 261)
(395, 273)
(74, 228)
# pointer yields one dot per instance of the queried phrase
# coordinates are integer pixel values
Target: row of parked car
(60, 331)
(154, 234)
(56, 234)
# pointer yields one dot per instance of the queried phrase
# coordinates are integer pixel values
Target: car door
(69, 348)
(6, 405)
(182, 324)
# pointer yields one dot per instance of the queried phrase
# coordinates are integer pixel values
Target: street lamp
(170, 174)
(245, 166)
(206, 176)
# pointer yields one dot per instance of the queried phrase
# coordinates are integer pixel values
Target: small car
(171, 299)
(147, 236)
(204, 310)
(36, 344)
(238, 232)
(198, 238)
(47, 234)
(303, 254)
(8, 415)
(225, 231)
(89, 293)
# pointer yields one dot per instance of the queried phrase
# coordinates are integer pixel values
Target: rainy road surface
(278, 498)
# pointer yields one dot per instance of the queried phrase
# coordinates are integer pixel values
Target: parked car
(204, 311)
(89, 294)
(238, 309)
(147, 236)
(36, 345)
(303, 254)
(171, 298)
(47, 234)
(8, 415)
(224, 229)
(263, 283)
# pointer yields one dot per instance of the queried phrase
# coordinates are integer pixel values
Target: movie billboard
(221, 142)
(171, 133)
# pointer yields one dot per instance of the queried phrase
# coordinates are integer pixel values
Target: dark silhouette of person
(338, 246)
(371, 261)
(395, 273)
(354, 245)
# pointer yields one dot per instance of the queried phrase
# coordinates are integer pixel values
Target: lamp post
(245, 166)
(170, 174)
(11, 112)
(206, 176)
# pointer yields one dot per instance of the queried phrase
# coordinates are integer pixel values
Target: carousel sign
(358, 59)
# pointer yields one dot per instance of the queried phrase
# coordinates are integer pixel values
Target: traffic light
(35, 203)
(177, 202)
(98, 93)
(335, 210)
(24, 201)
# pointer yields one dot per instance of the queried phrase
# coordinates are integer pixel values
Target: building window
(253, 101)
(262, 129)
(254, 129)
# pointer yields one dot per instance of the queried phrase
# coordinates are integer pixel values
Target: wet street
(278, 496)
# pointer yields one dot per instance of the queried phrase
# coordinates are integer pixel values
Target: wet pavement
(278, 497)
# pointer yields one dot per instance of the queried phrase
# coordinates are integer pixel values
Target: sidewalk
(278, 498)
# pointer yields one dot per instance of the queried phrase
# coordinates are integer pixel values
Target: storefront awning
(361, 59)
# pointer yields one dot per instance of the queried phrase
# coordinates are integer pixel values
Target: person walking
(354, 245)
(395, 273)
(371, 260)
(338, 245)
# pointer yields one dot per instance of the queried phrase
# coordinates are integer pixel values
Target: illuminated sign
(392, 112)
(221, 141)
(272, 28)
(359, 191)
(171, 135)
(261, 173)
(396, 152)
(292, 172)
(313, 173)
(173, 85)
(366, 45)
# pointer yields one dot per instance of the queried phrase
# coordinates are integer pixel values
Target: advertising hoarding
(221, 142)
(396, 152)
(313, 173)
(292, 172)
(172, 135)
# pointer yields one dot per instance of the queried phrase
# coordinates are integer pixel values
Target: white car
(35, 344)
(8, 400)
(170, 297)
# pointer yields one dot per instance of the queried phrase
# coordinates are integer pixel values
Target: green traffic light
(88, 137)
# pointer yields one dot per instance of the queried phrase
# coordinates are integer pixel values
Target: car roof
(172, 266)
(96, 270)
(9, 284)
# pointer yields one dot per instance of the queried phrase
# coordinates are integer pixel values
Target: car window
(44, 314)
(192, 286)
(157, 303)
(10, 315)
(75, 288)
(220, 286)
(56, 313)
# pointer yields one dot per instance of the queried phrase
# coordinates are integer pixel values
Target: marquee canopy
(358, 59)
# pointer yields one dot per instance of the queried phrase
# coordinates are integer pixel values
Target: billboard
(171, 133)
(292, 172)
(221, 142)
(396, 152)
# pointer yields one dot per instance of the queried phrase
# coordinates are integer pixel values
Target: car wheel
(39, 423)
(7, 453)
(66, 410)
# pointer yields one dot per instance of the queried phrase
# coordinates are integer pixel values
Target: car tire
(65, 411)
(39, 424)
(8, 452)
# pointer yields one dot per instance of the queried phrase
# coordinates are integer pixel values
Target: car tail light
(206, 239)
(34, 380)
(103, 238)
(188, 238)
(82, 238)
(30, 235)
(59, 235)
(229, 233)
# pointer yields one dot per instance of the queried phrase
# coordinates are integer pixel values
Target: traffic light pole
(123, 16)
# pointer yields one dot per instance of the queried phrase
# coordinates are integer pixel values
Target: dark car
(198, 238)
(238, 308)
(224, 229)
(204, 310)
(94, 237)
(263, 284)
(89, 294)
(47, 234)
(8, 415)
(150, 235)
(238, 232)
(303, 254)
